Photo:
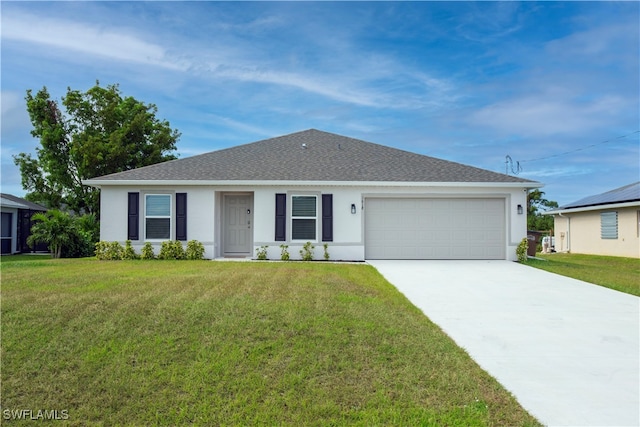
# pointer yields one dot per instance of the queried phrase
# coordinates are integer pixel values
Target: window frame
(169, 217)
(315, 218)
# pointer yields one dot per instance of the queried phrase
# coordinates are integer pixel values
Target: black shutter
(181, 216)
(281, 217)
(327, 217)
(133, 222)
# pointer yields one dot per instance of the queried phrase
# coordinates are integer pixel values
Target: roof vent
(304, 146)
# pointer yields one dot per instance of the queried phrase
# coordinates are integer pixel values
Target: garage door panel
(435, 229)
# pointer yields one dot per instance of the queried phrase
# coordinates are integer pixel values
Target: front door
(238, 235)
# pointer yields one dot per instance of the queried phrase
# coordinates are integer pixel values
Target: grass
(228, 343)
(621, 274)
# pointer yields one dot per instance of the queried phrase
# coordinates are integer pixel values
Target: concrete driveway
(569, 351)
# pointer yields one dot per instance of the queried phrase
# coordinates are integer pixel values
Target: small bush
(101, 248)
(129, 252)
(521, 251)
(284, 253)
(195, 250)
(147, 251)
(326, 251)
(261, 252)
(171, 250)
(109, 251)
(306, 253)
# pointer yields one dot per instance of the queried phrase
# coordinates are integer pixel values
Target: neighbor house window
(609, 225)
(157, 216)
(304, 217)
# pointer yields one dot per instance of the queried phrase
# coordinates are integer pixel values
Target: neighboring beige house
(604, 224)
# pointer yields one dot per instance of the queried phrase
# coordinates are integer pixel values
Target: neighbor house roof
(11, 201)
(626, 195)
(311, 155)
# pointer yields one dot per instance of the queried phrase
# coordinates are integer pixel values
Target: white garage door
(434, 229)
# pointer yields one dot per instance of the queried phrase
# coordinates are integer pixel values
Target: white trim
(165, 183)
(592, 208)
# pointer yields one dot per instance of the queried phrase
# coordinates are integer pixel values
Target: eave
(593, 208)
(99, 183)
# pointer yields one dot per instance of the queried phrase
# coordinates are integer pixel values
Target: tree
(55, 228)
(535, 219)
(101, 133)
(67, 236)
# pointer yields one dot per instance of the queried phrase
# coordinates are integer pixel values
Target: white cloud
(82, 38)
(548, 114)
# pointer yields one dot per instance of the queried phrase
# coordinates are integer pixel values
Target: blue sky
(467, 82)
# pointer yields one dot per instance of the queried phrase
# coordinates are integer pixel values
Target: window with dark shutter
(181, 216)
(133, 222)
(281, 217)
(327, 217)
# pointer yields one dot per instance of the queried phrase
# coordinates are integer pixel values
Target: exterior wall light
(353, 208)
(519, 209)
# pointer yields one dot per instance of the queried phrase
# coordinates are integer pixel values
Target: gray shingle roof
(313, 155)
(9, 200)
(628, 193)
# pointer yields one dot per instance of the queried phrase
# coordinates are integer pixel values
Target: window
(304, 217)
(609, 225)
(157, 216)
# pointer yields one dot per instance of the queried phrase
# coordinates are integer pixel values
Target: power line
(579, 149)
(509, 164)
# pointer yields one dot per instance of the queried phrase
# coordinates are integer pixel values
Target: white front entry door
(238, 227)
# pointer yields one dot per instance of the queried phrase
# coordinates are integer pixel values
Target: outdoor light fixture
(353, 208)
(519, 209)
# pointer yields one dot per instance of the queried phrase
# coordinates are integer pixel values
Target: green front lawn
(621, 274)
(210, 343)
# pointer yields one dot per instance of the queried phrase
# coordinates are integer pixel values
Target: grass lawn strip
(619, 273)
(186, 342)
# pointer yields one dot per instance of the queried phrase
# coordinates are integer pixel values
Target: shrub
(521, 251)
(81, 245)
(129, 252)
(284, 252)
(326, 251)
(195, 250)
(306, 253)
(101, 249)
(109, 251)
(147, 251)
(171, 250)
(261, 252)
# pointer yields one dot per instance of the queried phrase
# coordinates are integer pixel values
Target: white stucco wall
(204, 214)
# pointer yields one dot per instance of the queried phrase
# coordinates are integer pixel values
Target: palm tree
(55, 228)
